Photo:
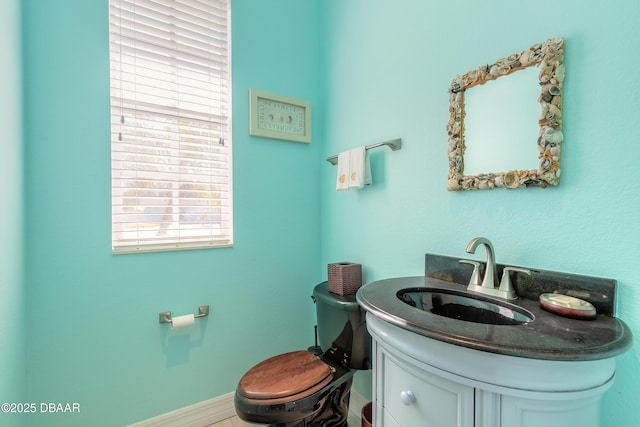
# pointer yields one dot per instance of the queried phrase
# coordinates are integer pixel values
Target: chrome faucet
(490, 279)
(490, 284)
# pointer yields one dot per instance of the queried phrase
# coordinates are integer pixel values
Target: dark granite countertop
(548, 336)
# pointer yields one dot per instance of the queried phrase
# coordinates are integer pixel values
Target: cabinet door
(516, 411)
(387, 420)
(416, 398)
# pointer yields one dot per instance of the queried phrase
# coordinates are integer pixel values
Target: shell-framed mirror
(548, 57)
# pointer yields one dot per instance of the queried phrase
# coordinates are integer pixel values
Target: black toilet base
(331, 410)
(336, 408)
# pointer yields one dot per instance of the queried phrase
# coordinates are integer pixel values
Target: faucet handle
(475, 276)
(505, 282)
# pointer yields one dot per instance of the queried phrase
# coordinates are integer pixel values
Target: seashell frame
(549, 58)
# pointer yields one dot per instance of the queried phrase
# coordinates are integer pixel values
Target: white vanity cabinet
(421, 382)
(410, 396)
(549, 412)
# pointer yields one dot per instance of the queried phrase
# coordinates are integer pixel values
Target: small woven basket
(345, 278)
(366, 414)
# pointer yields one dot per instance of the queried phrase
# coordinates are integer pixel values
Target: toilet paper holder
(167, 316)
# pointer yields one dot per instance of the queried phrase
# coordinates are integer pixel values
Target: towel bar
(166, 316)
(394, 144)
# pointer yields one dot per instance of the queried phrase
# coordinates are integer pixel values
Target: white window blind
(170, 124)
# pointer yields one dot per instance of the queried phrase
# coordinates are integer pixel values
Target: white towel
(354, 169)
(344, 165)
(360, 168)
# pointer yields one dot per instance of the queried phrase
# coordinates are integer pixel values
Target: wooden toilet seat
(284, 378)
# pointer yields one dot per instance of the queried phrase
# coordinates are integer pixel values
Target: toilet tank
(342, 331)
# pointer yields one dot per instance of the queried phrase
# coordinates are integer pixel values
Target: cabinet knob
(407, 397)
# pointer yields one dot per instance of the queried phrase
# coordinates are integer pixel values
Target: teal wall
(389, 64)
(12, 308)
(373, 71)
(94, 336)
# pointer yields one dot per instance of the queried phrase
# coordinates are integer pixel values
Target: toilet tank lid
(346, 302)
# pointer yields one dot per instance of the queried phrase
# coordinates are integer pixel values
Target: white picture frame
(279, 117)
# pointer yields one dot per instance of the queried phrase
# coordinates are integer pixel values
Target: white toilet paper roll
(182, 321)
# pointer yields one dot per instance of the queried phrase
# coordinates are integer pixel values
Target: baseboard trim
(198, 415)
(220, 408)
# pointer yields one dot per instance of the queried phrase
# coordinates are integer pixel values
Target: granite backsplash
(597, 290)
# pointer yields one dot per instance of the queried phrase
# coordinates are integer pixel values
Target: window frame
(169, 195)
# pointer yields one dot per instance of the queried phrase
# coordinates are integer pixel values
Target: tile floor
(353, 421)
(231, 422)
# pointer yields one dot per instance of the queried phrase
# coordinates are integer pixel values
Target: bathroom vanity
(434, 369)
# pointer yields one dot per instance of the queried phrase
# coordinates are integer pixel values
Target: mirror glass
(486, 106)
(505, 128)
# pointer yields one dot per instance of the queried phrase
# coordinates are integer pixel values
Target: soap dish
(567, 306)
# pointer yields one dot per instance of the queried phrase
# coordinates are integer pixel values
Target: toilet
(310, 387)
